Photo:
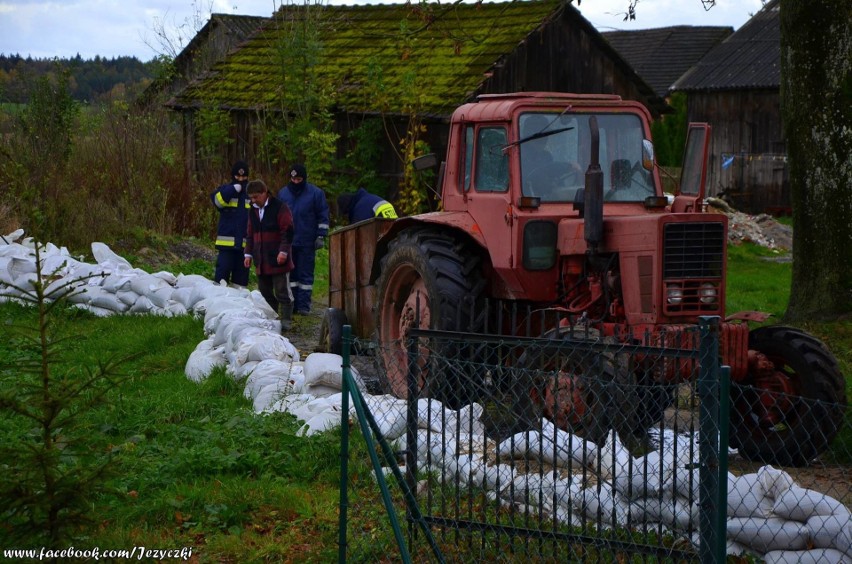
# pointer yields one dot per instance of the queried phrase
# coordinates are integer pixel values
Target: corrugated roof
(748, 59)
(661, 55)
(373, 57)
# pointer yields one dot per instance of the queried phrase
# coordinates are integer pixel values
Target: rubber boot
(285, 312)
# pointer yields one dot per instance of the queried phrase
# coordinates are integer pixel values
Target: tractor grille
(693, 250)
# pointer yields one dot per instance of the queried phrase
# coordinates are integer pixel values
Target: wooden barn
(219, 36)
(736, 88)
(392, 61)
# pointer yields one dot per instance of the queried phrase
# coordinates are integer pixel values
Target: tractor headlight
(708, 293)
(674, 294)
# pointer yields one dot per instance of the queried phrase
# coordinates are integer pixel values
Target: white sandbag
(58, 265)
(268, 395)
(602, 503)
(240, 371)
(166, 276)
(389, 413)
(175, 309)
(84, 294)
(773, 481)
(430, 414)
(679, 513)
(24, 284)
(185, 296)
(104, 256)
(497, 476)
(326, 369)
(645, 476)
(520, 446)
(109, 301)
(686, 483)
(61, 288)
(613, 457)
(800, 504)
(5, 277)
(230, 327)
(831, 531)
(146, 285)
(217, 297)
(117, 282)
(214, 321)
(266, 372)
(260, 303)
(286, 404)
(269, 345)
(319, 423)
(814, 556)
(19, 266)
(142, 305)
(307, 410)
(160, 297)
(746, 497)
(11, 237)
(320, 391)
(192, 280)
(766, 534)
(203, 360)
(564, 448)
(469, 419)
(127, 297)
(215, 309)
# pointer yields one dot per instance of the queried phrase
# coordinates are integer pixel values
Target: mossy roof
(394, 58)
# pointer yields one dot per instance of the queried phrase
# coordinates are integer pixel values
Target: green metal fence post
(344, 445)
(712, 537)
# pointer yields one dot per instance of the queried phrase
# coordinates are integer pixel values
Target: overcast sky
(113, 28)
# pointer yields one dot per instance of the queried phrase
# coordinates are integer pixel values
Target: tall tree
(816, 107)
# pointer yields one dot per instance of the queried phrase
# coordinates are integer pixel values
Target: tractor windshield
(555, 154)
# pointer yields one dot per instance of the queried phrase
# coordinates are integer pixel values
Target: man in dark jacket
(308, 205)
(363, 205)
(230, 199)
(268, 239)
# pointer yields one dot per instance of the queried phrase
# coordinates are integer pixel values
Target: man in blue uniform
(233, 205)
(363, 205)
(308, 205)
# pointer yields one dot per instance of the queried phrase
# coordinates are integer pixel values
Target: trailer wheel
(428, 280)
(331, 331)
(793, 403)
(585, 392)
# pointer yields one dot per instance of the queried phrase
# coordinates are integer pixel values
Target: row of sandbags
(768, 514)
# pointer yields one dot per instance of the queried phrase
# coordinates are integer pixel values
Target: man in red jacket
(268, 242)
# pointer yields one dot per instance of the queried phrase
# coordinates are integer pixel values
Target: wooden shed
(736, 88)
(415, 58)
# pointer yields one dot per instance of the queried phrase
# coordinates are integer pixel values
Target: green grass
(194, 466)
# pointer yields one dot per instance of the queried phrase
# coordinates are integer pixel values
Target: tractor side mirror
(425, 161)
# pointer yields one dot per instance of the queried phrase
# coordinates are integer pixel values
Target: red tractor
(554, 200)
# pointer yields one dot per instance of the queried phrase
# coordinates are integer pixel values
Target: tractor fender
(459, 222)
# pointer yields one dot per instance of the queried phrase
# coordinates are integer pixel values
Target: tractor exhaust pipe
(593, 196)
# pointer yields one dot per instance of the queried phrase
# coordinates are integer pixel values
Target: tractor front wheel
(428, 280)
(793, 403)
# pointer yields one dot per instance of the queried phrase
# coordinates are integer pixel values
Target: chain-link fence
(576, 447)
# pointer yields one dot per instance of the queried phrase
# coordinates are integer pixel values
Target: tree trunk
(816, 107)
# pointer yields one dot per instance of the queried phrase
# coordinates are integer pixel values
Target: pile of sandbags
(768, 514)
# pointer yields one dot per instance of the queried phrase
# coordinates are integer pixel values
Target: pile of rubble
(760, 229)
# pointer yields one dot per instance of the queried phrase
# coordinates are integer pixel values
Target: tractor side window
(468, 157)
(492, 163)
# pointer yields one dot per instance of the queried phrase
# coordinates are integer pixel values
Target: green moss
(379, 57)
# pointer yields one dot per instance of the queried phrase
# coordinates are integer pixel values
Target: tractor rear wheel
(428, 280)
(792, 404)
